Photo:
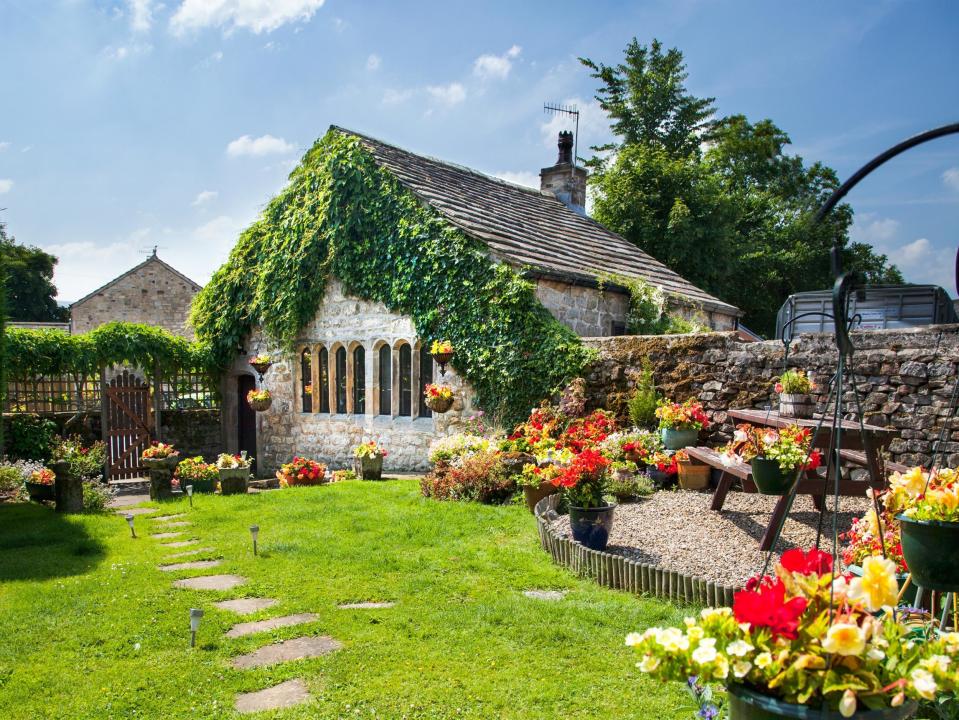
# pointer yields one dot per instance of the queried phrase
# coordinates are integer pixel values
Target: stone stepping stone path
(176, 524)
(246, 606)
(295, 649)
(165, 535)
(180, 543)
(286, 694)
(189, 552)
(366, 605)
(168, 518)
(548, 595)
(249, 628)
(194, 565)
(136, 511)
(210, 582)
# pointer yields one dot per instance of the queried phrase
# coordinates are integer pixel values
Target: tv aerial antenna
(152, 251)
(569, 111)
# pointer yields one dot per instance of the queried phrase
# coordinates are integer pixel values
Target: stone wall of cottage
(905, 378)
(152, 294)
(285, 430)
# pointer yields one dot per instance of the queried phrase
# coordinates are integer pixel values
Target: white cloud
(878, 231)
(5, 185)
(395, 97)
(4, 146)
(255, 15)
(519, 177)
(951, 178)
(258, 147)
(490, 67)
(204, 197)
(122, 52)
(85, 266)
(449, 95)
(141, 14)
(920, 261)
(373, 62)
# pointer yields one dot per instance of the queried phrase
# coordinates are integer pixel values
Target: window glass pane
(406, 381)
(341, 380)
(306, 381)
(386, 380)
(324, 380)
(426, 377)
(359, 380)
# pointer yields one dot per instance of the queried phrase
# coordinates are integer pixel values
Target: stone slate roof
(528, 228)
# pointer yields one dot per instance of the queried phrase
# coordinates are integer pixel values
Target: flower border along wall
(342, 215)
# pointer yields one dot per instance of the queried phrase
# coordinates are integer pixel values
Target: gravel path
(678, 531)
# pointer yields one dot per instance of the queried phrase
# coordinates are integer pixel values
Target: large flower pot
(660, 478)
(39, 492)
(161, 476)
(439, 404)
(796, 406)
(199, 486)
(746, 704)
(591, 526)
(931, 550)
(693, 477)
(534, 494)
(679, 439)
(233, 481)
(369, 468)
(770, 479)
(67, 489)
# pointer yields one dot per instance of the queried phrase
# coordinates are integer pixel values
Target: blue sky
(132, 124)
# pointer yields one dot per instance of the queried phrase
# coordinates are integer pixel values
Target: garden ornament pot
(233, 481)
(369, 468)
(200, 486)
(260, 405)
(67, 489)
(161, 472)
(40, 492)
(931, 550)
(746, 704)
(796, 405)
(591, 526)
(770, 479)
(439, 404)
(679, 439)
(534, 494)
(442, 359)
(693, 477)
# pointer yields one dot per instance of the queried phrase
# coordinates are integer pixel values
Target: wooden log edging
(622, 573)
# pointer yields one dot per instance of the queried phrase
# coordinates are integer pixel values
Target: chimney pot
(565, 145)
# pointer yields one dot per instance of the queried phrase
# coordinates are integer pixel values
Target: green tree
(718, 201)
(31, 295)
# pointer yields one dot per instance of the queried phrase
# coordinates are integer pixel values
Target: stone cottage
(153, 293)
(359, 368)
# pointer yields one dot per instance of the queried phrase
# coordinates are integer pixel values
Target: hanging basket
(261, 367)
(746, 704)
(439, 404)
(931, 550)
(794, 405)
(442, 359)
(260, 405)
(770, 479)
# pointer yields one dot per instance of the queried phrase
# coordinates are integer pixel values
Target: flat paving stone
(246, 606)
(168, 518)
(165, 535)
(366, 605)
(194, 565)
(210, 582)
(249, 628)
(187, 553)
(286, 694)
(180, 543)
(126, 500)
(551, 595)
(295, 649)
(136, 511)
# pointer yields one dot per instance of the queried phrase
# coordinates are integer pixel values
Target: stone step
(179, 543)
(210, 582)
(295, 649)
(187, 553)
(136, 511)
(286, 694)
(131, 486)
(246, 606)
(192, 565)
(249, 628)
(168, 518)
(122, 501)
(264, 483)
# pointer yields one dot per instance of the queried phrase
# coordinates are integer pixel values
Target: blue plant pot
(679, 439)
(591, 526)
(746, 704)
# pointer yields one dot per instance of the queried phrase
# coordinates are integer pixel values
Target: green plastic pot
(770, 479)
(746, 704)
(679, 439)
(931, 550)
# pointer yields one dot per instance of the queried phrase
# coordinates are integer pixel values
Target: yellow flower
(924, 683)
(695, 633)
(912, 482)
(721, 670)
(764, 660)
(877, 587)
(872, 521)
(845, 639)
(648, 664)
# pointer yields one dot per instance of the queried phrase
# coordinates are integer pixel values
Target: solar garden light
(129, 518)
(254, 531)
(195, 616)
(189, 494)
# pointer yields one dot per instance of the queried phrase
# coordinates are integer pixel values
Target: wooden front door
(127, 406)
(246, 417)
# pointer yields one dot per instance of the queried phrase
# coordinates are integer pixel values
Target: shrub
(96, 495)
(31, 437)
(643, 402)
(342, 475)
(12, 476)
(86, 461)
(452, 448)
(480, 477)
(628, 484)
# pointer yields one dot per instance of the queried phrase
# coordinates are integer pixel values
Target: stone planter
(796, 406)
(769, 477)
(591, 526)
(161, 472)
(693, 477)
(679, 439)
(233, 481)
(746, 704)
(438, 404)
(369, 468)
(41, 492)
(260, 405)
(67, 490)
(534, 494)
(931, 550)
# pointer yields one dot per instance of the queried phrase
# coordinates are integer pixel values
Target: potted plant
(805, 643)
(583, 482)
(160, 460)
(369, 460)
(795, 400)
(40, 485)
(680, 423)
(301, 471)
(194, 471)
(439, 398)
(635, 446)
(261, 363)
(626, 483)
(661, 467)
(259, 400)
(775, 457)
(691, 476)
(537, 483)
(442, 352)
(234, 472)
(927, 507)
(880, 536)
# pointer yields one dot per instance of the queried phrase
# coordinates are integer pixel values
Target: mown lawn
(90, 628)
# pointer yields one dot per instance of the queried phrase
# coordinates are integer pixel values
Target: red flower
(766, 606)
(815, 460)
(814, 562)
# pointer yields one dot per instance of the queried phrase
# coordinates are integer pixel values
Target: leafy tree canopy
(717, 200)
(30, 290)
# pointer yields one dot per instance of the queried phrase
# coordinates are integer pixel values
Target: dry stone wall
(905, 378)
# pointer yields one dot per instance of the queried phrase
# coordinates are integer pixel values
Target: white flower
(740, 436)
(936, 662)
(672, 639)
(633, 639)
(845, 639)
(648, 664)
(742, 668)
(704, 654)
(924, 683)
(875, 653)
(764, 660)
(739, 648)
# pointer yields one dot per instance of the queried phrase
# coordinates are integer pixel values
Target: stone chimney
(566, 182)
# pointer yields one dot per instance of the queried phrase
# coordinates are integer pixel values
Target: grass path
(91, 628)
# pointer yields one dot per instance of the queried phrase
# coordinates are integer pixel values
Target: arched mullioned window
(359, 380)
(340, 380)
(306, 380)
(406, 380)
(324, 380)
(385, 380)
(426, 377)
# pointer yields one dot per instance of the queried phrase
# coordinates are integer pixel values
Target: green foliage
(30, 282)
(86, 461)
(31, 438)
(96, 495)
(643, 402)
(648, 308)
(342, 215)
(735, 218)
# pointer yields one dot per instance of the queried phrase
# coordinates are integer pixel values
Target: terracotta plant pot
(260, 405)
(40, 492)
(679, 439)
(746, 704)
(693, 477)
(931, 550)
(233, 481)
(769, 477)
(439, 404)
(796, 405)
(161, 476)
(534, 494)
(369, 468)
(592, 526)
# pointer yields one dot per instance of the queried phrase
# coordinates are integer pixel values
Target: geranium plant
(225, 461)
(369, 450)
(794, 382)
(301, 471)
(538, 433)
(681, 416)
(438, 392)
(664, 461)
(584, 479)
(805, 636)
(159, 451)
(636, 446)
(44, 476)
(588, 432)
(534, 475)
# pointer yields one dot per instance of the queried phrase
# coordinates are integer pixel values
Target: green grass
(90, 628)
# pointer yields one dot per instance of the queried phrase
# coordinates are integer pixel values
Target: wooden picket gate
(127, 409)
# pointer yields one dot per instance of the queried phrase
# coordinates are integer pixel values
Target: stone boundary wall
(905, 378)
(622, 573)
